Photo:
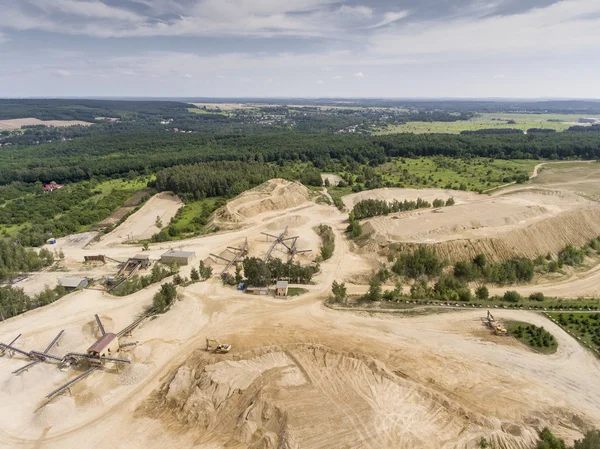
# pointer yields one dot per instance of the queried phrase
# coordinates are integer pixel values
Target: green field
(475, 174)
(558, 122)
(585, 326)
(537, 338)
(204, 111)
(190, 220)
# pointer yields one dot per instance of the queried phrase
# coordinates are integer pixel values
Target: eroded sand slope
(525, 222)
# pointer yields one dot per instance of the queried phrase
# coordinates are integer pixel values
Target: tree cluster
(136, 283)
(16, 260)
(536, 337)
(518, 269)
(327, 239)
(259, 273)
(163, 299)
(372, 208)
(13, 301)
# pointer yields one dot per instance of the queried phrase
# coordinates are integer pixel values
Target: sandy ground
(299, 375)
(526, 221)
(334, 180)
(141, 225)
(19, 122)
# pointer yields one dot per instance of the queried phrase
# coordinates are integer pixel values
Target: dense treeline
(85, 110)
(259, 273)
(585, 129)
(493, 131)
(517, 269)
(226, 178)
(327, 239)
(148, 152)
(372, 208)
(13, 301)
(541, 131)
(15, 260)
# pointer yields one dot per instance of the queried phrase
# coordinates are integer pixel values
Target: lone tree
(205, 271)
(339, 291)
(158, 222)
(374, 293)
(194, 275)
(164, 297)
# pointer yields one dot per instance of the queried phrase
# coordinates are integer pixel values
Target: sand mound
(528, 222)
(134, 373)
(292, 221)
(310, 396)
(142, 223)
(271, 196)
(91, 329)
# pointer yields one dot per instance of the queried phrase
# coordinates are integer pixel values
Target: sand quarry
(527, 221)
(300, 375)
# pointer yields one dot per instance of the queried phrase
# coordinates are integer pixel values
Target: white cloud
(563, 26)
(320, 82)
(188, 75)
(390, 17)
(359, 75)
(359, 10)
(89, 9)
(337, 77)
(63, 72)
(129, 73)
(499, 77)
(198, 18)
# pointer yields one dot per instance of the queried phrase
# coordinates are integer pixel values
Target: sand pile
(528, 222)
(273, 195)
(310, 396)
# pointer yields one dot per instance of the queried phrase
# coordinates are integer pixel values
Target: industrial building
(107, 345)
(177, 257)
(257, 290)
(73, 283)
(142, 259)
(281, 289)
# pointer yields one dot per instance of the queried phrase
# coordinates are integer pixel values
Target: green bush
(423, 262)
(571, 256)
(512, 296)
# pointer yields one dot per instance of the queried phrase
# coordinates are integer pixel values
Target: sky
(300, 48)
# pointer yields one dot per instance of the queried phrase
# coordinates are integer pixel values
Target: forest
(119, 154)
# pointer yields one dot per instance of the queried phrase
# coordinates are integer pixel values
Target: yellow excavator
(219, 348)
(495, 325)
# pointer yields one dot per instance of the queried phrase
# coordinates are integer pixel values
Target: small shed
(281, 288)
(177, 257)
(73, 283)
(105, 346)
(257, 290)
(142, 259)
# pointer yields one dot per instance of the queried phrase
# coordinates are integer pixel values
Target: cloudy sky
(300, 48)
